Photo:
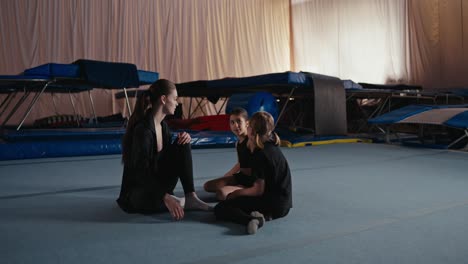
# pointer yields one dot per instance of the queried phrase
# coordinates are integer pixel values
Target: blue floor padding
(212, 139)
(30, 144)
(352, 203)
(58, 148)
(62, 134)
(44, 143)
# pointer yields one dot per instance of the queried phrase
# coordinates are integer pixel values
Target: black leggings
(176, 163)
(238, 210)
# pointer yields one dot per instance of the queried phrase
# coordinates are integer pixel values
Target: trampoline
(324, 95)
(454, 116)
(82, 75)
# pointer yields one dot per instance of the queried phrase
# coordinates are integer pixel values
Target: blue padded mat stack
(48, 143)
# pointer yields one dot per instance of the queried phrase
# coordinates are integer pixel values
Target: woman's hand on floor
(177, 212)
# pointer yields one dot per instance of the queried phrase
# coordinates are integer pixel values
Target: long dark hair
(149, 97)
(239, 111)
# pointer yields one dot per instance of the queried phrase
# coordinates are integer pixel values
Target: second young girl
(271, 194)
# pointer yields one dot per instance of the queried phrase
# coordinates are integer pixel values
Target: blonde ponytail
(262, 124)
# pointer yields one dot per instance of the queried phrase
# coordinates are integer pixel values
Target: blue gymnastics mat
(49, 143)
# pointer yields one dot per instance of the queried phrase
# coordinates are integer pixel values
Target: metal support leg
(54, 103)
(13, 110)
(92, 105)
(135, 100)
(128, 102)
(458, 139)
(7, 102)
(7, 98)
(387, 135)
(284, 106)
(189, 115)
(199, 105)
(220, 108)
(32, 104)
(74, 109)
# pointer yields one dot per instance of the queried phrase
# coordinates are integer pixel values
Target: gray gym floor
(353, 203)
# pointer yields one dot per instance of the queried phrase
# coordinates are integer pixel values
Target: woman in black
(271, 194)
(153, 163)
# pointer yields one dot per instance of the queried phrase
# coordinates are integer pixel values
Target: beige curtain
(439, 43)
(421, 42)
(362, 40)
(379, 41)
(183, 40)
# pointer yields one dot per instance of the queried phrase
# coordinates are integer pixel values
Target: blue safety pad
(46, 143)
(458, 121)
(214, 89)
(254, 102)
(58, 148)
(284, 78)
(147, 77)
(63, 134)
(53, 70)
(110, 75)
(211, 139)
(57, 70)
(400, 114)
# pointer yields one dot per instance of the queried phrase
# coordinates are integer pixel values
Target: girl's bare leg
(217, 184)
(223, 192)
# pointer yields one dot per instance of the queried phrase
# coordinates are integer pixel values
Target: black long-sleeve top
(270, 165)
(142, 186)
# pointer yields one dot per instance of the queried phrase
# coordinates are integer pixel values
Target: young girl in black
(152, 162)
(271, 195)
(240, 175)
